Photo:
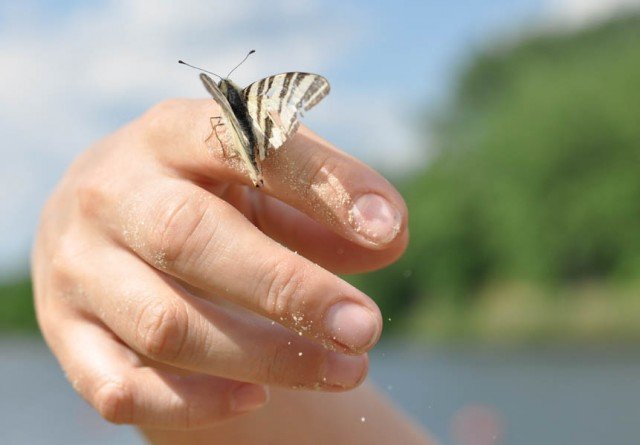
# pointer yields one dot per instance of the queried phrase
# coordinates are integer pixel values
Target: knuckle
(279, 287)
(162, 330)
(314, 368)
(182, 230)
(167, 106)
(157, 114)
(91, 196)
(114, 401)
(156, 123)
(274, 366)
(283, 366)
(65, 262)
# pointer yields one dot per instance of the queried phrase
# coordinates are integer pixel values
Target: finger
(314, 241)
(304, 235)
(204, 241)
(168, 325)
(113, 380)
(337, 190)
(307, 172)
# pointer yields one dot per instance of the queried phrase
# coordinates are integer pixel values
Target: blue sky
(415, 45)
(73, 71)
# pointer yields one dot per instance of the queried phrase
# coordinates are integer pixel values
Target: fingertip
(374, 219)
(317, 242)
(344, 372)
(353, 326)
(340, 192)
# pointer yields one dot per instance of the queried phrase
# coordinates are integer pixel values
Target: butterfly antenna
(200, 69)
(245, 58)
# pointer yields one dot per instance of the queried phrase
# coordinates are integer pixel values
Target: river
(526, 397)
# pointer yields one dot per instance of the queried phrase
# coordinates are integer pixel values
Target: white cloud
(578, 13)
(70, 78)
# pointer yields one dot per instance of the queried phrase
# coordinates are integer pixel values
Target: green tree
(537, 178)
(16, 306)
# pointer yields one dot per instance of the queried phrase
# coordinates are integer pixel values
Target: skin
(174, 294)
(358, 417)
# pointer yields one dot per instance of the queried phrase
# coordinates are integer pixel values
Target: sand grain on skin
(326, 195)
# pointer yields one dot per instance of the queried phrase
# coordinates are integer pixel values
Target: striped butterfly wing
(239, 142)
(276, 102)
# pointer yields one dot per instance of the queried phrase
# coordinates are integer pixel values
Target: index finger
(307, 173)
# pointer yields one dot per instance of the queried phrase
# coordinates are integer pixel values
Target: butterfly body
(265, 114)
(238, 105)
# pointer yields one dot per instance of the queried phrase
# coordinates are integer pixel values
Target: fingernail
(248, 397)
(344, 371)
(351, 325)
(375, 218)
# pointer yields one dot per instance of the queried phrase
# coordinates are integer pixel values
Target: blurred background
(512, 127)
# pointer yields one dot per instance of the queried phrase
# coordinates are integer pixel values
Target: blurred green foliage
(16, 306)
(536, 180)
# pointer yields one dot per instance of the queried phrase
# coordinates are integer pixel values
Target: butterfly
(264, 114)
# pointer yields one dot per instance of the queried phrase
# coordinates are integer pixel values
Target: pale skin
(177, 296)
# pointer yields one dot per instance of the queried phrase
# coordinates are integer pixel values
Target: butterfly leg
(214, 129)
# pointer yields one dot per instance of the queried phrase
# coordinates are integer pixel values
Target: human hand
(169, 288)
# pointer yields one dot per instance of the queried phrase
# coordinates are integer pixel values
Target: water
(542, 397)
(538, 397)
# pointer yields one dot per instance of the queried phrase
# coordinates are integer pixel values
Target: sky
(74, 71)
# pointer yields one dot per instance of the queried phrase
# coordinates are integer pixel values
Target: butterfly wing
(239, 143)
(276, 102)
